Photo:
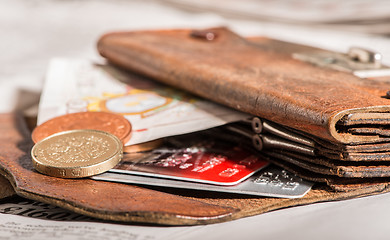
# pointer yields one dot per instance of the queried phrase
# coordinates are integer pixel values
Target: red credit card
(203, 161)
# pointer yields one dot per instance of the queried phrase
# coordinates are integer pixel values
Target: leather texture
(309, 157)
(337, 123)
(104, 200)
(258, 77)
(129, 203)
(6, 189)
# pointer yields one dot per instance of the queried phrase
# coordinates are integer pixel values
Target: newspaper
(27, 219)
(154, 110)
(33, 209)
(350, 219)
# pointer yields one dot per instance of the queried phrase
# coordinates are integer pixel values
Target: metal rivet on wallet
(387, 95)
(206, 35)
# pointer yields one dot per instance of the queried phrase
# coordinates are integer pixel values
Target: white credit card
(269, 182)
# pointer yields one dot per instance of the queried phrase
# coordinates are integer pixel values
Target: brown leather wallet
(222, 70)
(333, 126)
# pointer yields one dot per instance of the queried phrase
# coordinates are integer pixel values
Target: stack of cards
(198, 161)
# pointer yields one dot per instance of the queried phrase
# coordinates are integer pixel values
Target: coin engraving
(77, 153)
(73, 150)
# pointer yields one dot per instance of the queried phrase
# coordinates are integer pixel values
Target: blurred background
(34, 31)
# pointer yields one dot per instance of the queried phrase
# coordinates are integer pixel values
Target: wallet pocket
(131, 203)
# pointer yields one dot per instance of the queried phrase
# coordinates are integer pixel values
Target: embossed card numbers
(270, 182)
(199, 161)
(77, 153)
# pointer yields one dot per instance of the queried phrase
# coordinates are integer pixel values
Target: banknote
(154, 110)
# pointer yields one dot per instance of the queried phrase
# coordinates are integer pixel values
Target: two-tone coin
(103, 121)
(77, 153)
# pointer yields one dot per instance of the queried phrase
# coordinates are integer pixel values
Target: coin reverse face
(77, 153)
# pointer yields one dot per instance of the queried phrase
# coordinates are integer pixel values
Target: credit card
(195, 158)
(269, 182)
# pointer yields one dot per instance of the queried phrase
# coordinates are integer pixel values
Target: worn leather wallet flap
(338, 123)
(256, 77)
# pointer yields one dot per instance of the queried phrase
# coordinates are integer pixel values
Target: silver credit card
(269, 182)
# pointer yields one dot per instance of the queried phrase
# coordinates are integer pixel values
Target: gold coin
(77, 153)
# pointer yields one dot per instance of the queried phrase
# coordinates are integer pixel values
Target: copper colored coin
(103, 121)
(142, 147)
